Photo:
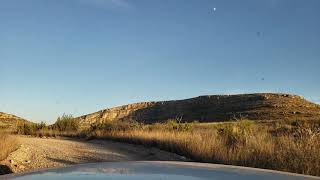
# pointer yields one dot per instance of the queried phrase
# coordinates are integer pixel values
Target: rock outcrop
(10, 122)
(213, 108)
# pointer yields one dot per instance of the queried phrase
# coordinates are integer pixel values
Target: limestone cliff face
(262, 106)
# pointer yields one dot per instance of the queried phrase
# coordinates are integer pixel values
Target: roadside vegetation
(65, 125)
(291, 146)
(8, 144)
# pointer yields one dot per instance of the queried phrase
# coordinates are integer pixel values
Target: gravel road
(35, 153)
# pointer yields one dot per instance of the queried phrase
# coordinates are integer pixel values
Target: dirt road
(35, 153)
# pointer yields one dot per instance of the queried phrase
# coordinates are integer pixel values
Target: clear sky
(80, 56)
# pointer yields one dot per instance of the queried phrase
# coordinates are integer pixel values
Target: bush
(26, 129)
(31, 128)
(66, 123)
(236, 133)
(117, 126)
(177, 125)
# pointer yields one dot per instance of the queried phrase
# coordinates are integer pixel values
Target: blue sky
(80, 56)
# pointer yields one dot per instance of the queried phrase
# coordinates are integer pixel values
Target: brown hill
(260, 106)
(10, 122)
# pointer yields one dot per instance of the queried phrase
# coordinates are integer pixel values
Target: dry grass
(291, 146)
(8, 143)
(241, 143)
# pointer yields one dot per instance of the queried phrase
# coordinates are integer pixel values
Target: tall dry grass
(8, 143)
(291, 146)
(292, 149)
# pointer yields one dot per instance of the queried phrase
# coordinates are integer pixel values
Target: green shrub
(123, 125)
(177, 125)
(66, 123)
(97, 126)
(26, 129)
(31, 128)
(41, 126)
(236, 133)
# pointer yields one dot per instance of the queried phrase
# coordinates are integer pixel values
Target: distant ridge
(9, 121)
(211, 108)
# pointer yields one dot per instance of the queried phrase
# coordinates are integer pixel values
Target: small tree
(41, 126)
(66, 122)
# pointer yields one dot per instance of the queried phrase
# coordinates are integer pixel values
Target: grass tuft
(8, 144)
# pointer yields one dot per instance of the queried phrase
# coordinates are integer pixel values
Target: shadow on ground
(5, 169)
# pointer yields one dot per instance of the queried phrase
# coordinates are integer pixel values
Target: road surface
(36, 153)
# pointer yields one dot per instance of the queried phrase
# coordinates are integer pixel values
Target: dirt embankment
(35, 153)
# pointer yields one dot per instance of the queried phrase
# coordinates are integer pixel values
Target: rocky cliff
(213, 108)
(9, 121)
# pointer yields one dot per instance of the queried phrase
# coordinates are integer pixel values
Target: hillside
(9, 121)
(212, 108)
